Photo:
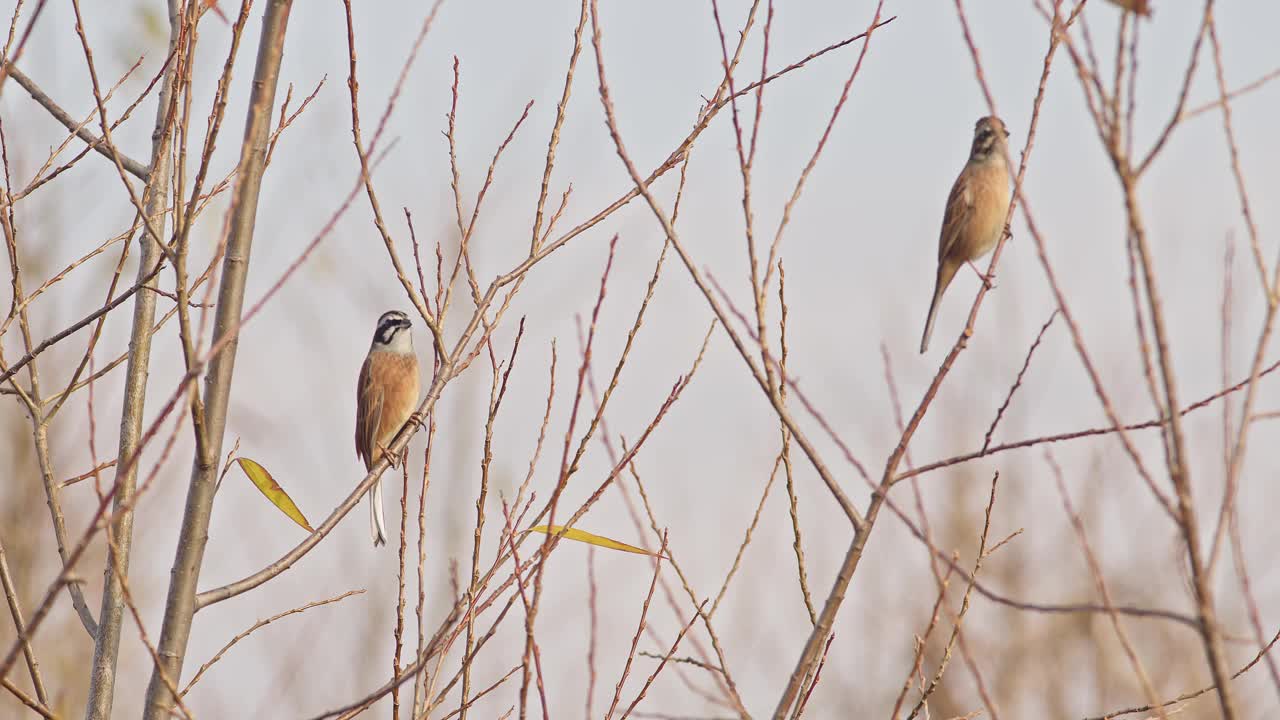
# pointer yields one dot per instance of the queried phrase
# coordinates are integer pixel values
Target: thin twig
(106, 149)
(1017, 382)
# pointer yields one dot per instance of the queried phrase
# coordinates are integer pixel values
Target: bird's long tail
(377, 525)
(945, 272)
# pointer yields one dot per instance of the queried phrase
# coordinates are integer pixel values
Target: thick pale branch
(180, 605)
(120, 532)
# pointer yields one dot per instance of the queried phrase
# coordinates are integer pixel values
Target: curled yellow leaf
(272, 490)
(589, 538)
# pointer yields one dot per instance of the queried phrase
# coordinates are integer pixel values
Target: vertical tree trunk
(180, 605)
(102, 680)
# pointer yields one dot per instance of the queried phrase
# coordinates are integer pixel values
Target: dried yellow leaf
(272, 490)
(589, 538)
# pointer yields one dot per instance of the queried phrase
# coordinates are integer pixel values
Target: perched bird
(386, 395)
(976, 207)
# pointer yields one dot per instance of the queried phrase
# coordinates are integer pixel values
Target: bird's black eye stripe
(387, 330)
(389, 324)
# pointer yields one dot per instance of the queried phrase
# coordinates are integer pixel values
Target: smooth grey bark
(180, 605)
(106, 651)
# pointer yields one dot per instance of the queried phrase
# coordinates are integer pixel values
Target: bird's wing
(368, 414)
(959, 207)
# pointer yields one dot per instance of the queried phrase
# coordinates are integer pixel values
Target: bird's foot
(393, 460)
(988, 280)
